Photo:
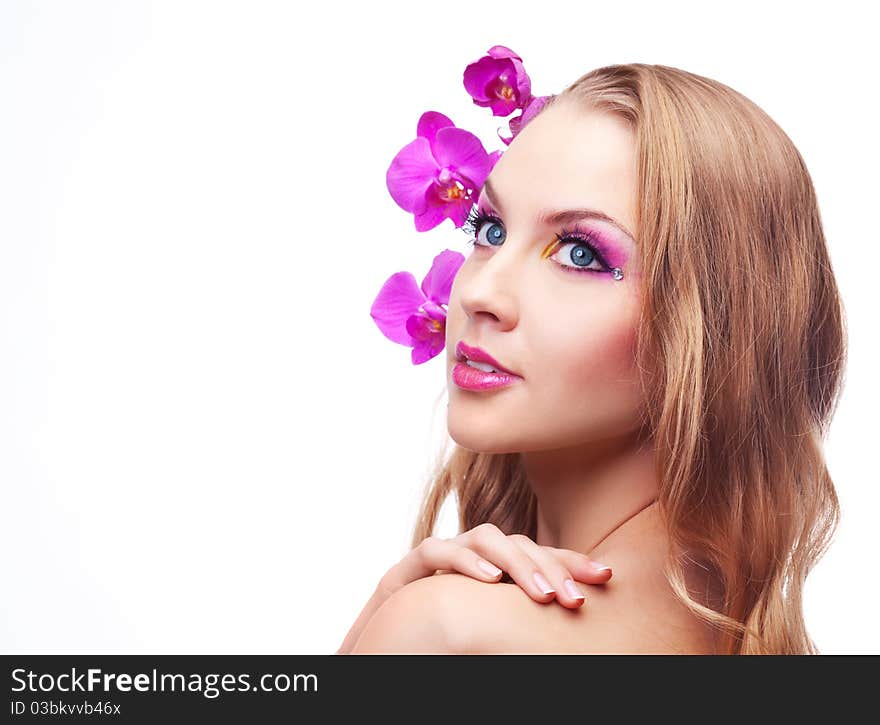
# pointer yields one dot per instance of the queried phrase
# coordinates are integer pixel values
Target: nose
(490, 289)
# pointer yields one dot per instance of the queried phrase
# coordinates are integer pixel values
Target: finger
(568, 593)
(434, 553)
(492, 544)
(582, 568)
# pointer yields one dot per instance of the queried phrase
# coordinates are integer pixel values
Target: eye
(578, 256)
(495, 232)
(582, 256)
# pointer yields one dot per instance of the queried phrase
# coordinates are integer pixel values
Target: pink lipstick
(484, 372)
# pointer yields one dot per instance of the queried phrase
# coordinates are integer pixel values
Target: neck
(588, 493)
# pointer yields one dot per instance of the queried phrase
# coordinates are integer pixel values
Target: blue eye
(496, 233)
(581, 255)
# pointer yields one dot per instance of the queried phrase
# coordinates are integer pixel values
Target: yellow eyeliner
(548, 250)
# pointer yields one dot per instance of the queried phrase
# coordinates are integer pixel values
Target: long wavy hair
(741, 350)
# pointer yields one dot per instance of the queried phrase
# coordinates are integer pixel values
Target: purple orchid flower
(498, 80)
(416, 316)
(437, 176)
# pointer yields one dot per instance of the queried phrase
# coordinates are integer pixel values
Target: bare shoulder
(500, 618)
(419, 618)
(440, 614)
(450, 613)
(633, 613)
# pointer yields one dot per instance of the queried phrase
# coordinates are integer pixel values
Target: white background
(206, 445)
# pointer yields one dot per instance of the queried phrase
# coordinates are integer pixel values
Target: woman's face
(562, 322)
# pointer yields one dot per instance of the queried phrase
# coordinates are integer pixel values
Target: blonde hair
(740, 347)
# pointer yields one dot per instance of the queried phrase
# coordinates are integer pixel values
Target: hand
(484, 546)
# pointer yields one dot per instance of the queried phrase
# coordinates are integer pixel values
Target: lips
(464, 352)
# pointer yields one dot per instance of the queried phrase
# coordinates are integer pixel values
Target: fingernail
(490, 569)
(573, 590)
(543, 584)
(601, 567)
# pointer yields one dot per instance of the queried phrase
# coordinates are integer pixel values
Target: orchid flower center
(503, 90)
(436, 325)
(454, 192)
(450, 191)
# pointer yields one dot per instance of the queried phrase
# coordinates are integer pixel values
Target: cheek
(586, 362)
(600, 355)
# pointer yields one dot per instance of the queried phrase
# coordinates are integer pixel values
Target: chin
(481, 444)
(480, 433)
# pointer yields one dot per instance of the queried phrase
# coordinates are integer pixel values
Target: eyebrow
(566, 215)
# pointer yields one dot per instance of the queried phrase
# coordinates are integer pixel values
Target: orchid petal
(477, 76)
(419, 327)
(459, 210)
(502, 51)
(434, 311)
(437, 284)
(398, 299)
(410, 174)
(461, 150)
(534, 107)
(505, 139)
(430, 122)
(428, 335)
(424, 350)
(523, 82)
(433, 213)
(515, 125)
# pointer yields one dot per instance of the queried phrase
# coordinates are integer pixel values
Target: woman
(674, 357)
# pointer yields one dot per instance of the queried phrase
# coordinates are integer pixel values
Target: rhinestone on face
(617, 272)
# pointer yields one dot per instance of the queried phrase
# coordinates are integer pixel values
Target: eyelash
(477, 217)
